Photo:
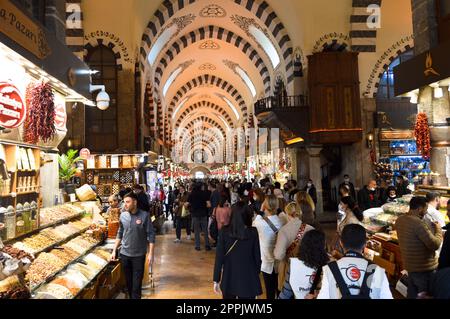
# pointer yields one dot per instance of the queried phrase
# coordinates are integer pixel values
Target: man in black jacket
(311, 190)
(349, 186)
(369, 196)
(199, 202)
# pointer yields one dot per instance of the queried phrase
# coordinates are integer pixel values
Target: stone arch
(331, 40)
(211, 80)
(206, 120)
(260, 8)
(218, 33)
(205, 104)
(383, 62)
(94, 42)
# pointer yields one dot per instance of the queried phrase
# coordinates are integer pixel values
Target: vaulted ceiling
(209, 61)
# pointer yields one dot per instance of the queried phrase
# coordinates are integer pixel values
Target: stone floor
(180, 272)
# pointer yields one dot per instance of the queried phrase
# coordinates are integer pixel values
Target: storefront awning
(425, 69)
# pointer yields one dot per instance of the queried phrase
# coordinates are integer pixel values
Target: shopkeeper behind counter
(137, 236)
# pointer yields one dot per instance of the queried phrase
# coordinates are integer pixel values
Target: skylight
(247, 80)
(265, 43)
(170, 80)
(179, 107)
(159, 44)
(232, 108)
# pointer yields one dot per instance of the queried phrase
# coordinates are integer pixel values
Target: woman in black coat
(238, 257)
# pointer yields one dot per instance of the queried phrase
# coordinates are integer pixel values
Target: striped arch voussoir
(259, 8)
(214, 32)
(104, 41)
(209, 80)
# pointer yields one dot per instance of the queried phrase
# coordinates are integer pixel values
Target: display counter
(60, 260)
(383, 245)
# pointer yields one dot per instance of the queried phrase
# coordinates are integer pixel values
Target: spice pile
(13, 288)
(55, 214)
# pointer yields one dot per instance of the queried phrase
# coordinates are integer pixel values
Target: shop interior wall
(49, 175)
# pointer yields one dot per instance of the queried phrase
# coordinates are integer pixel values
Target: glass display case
(403, 156)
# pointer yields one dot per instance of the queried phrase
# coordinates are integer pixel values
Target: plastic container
(26, 215)
(3, 212)
(10, 223)
(20, 224)
(34, 216)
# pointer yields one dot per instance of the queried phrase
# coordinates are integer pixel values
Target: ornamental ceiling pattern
(213, 11)
(207, 67)
(209, 45)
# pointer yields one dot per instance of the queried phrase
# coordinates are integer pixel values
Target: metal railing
(281, 103)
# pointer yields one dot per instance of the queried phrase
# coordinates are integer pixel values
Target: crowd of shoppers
(267, 236)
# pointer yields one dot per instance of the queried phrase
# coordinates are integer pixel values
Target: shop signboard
(23, 30)
(61, 115)
(424, 69)
(12, 107)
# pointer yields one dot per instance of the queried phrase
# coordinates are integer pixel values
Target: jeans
(418, 282)
(201, 224)
(271, 283)
(133, 267)
(183, 222)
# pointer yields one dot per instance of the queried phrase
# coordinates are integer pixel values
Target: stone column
(315, 174)
(55, 18)
(425, 25)
(426, 38)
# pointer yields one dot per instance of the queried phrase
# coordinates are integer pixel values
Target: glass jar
(10, 222)
(34, 216)
(20, 224)
(26, 216)
(3, 212)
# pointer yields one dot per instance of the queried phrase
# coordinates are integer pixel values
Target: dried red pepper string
(40, 122)
(422, 134)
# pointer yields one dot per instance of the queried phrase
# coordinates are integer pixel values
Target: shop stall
(46, 251)
(383, 247)
(399, 149)
(110, 173)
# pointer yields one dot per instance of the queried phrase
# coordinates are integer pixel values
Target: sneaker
(197, 248)
(208, 248)
(177, 241)
(188, 237)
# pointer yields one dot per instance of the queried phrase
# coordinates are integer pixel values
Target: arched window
(386, 87)
(101, 126)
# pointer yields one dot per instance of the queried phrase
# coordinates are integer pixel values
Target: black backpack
(364, 292)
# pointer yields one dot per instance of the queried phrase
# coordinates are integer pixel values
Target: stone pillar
(315, 174)
(424, 25)
(426, 38)
(55, 18)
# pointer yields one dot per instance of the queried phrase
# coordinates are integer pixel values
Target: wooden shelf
(42, 227)
(27, 193)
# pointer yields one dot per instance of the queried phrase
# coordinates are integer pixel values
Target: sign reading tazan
(23, 30)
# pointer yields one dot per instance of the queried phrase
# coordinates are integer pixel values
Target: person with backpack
(354, 277)
(288, 241)
(238, 258)
(305, 270)
(268, 228)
